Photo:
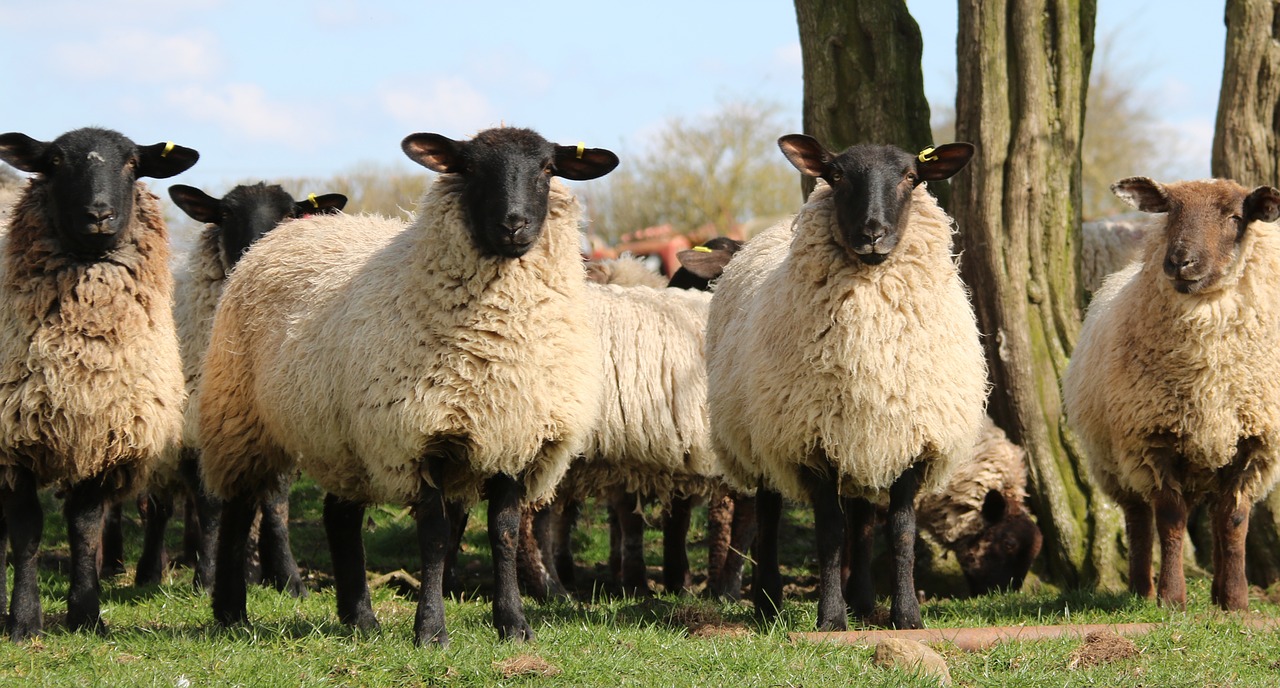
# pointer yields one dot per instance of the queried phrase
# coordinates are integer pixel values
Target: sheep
(1171, 387)
(1107, 246)
(90, 379)
(232, 224)
(843, 360)
(421, 364)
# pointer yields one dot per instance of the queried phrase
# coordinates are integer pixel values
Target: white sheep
(1172, 384)
(1106, 246)
(843, 360)
(410, 364)
(90, 380)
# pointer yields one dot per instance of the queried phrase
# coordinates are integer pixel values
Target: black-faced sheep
(421, 363)
(90, 379)
(843, 361)
(1172, 386)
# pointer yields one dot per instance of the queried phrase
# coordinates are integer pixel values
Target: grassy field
(164, 635)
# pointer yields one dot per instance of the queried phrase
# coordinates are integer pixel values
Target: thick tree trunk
(1023, 75)
(1246, 147)
(862, 77)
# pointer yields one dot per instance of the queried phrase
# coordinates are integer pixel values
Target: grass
(164, 635)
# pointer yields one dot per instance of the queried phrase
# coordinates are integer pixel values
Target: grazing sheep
(90, 380)
(232, 224)
(1172, 385)
(420, 364)
(843, 360)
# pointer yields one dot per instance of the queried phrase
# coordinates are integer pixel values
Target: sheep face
(248, 212)
(872, 187)
(999, 556)
(507, 174)
(90, 174)
(699, 266)
(1206, 223)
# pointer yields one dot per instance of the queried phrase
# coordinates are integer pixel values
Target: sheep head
(1206, 223)
(702, 264)
(90, 174)
(999, 556)
(507, 179)
(872, 187)
(248, 212)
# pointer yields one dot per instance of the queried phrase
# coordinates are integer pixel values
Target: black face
(508, 180)
(90, 174)
(999, 557)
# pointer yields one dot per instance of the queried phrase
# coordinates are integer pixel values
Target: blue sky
(267, 89)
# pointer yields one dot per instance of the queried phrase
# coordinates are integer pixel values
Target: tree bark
(862, 77)
(1246, 148)
(1023, 74)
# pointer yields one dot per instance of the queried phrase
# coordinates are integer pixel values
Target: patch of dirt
(526, 665)
(1102, 647)
(720, 630)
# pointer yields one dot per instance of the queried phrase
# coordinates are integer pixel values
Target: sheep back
(361, 346)
(90, 379)
(197, 286)
(624, 272)
(811, 352)
(956, 511)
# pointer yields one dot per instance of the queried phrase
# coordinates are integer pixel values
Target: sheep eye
(132, 163)
(56, 160)
(913, 177)
(836, 175)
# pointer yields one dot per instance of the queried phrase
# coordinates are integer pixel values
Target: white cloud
(443, 105)
(244, 111)
(140, 55)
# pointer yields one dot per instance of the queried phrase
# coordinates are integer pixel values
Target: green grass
(164, 635)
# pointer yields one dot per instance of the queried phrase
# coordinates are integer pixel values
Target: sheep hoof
(518, 632)
(906, 620)
(92, 624)
(840, 623)
(439, 640)
(19, 631)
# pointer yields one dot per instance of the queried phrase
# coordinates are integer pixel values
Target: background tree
(1023, 71)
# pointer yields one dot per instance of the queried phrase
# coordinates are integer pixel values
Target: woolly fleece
(197, 287)
(956, 511)
(400, 344)
(809, 351)
(624, 272)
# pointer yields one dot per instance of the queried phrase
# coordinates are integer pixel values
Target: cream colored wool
(197, 286)
(624, 272)
(956, 511)
(356, 346)
(90, 379)
(809, 351)
(1197, 372)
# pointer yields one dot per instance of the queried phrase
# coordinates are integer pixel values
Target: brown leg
(719, 524)
(1230, 525)
(1171, 525)
(635, 575)
(1140, 529)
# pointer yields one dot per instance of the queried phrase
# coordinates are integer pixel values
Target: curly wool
(90, 379)
(811, 352)
(1197, 372)
(956, 511)
(197, 286)
(361, 346)
(624, 272)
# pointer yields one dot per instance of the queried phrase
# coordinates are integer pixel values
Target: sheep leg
(209, 513)
(505, 493)
(570, 510)
(229, 594)
(434, 540)
(860, 590)
(342, 523)
(25, 519)
(1171, 525)
(192, 528)
(83, 512)
(904, 610)
(828, 527)
(111, 555)
(742, 537)
(191, 533)
(615, 544)
(530, 569)
(457, 527)
(675, 553)
(1230, 526)
(1140, 529)
(154, 558)
(635, 577)
(768, 576)
(543, 532)
(4, 561)
(719, 533)
(279, 568)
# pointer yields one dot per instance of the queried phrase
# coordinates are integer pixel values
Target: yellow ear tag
(314, 203)
(925, 157)
(581, 148)
(702, 249)
(168, 148)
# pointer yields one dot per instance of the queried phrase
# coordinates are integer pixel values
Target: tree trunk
(1023, 75)
(862, 77)
(1246, 148)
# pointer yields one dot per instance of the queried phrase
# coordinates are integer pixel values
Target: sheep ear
(994, 507)
(163, 160)
(580, 164)
(944, 161)
(1142, 193)
(1262, 205)
(197, 204)
(24, 152)
(806, 154)
(326, 204)
(434, 152)
(705, 263)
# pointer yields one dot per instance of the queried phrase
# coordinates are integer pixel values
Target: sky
(289, 89)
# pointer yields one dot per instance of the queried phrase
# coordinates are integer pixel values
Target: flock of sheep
(468, 355)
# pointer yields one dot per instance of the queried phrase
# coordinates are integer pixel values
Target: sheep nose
(515, 223)
(875, 230)
(1179, 263)
(99, 214)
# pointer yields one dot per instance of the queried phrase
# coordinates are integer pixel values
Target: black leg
(83, 512)
(505, 493)
(154, 558)
(192, 529)
(229, 595)
(768, 576)
(615, 545)
(209, 511)
(279, 568)
(4, 561)
(570, 509)
(111, 554)
(904, 611)
(434, 541)
(675, 551)
(25, 519)
(458, 516)
(342, 523)
(635, 576)
(860, 590)
(828, 527)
